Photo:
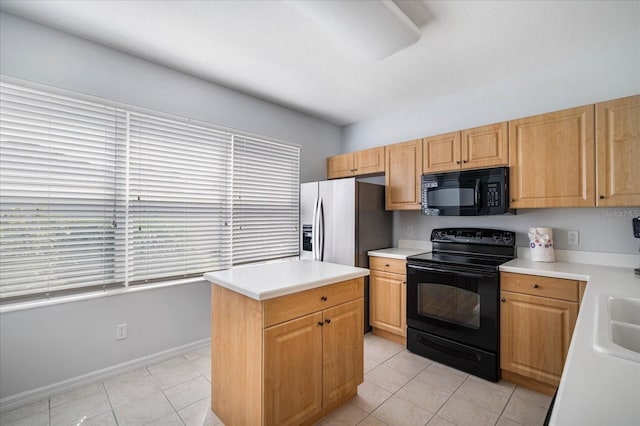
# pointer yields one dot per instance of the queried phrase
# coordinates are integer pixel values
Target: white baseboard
(27, 397)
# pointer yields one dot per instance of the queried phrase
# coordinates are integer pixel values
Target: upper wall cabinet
(358, 163)
(403, 170)
(485, 146)
(618, 152)
(552, 159)
(441, 153)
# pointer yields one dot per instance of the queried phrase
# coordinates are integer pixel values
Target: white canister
(541, 244)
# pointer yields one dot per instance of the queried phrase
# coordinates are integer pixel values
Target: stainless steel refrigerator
(341, 220)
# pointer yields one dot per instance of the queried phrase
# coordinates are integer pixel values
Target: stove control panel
(492, 237)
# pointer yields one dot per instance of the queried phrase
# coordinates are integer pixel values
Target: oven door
(460, 305)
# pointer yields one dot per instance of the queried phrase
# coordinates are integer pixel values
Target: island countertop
(266, 281)
(595, 388)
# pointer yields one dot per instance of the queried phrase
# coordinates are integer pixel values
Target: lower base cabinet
(537, 318)
(289, 360)
(388, 298)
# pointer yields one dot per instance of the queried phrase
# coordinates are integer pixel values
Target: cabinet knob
(601, 197)
(320, 323)
(386, 265)
(327, 321)
(465, 161)
(324, 298)
(513, 199)
(457, 162)
(404, 282)
(503, 300)
(536, 286)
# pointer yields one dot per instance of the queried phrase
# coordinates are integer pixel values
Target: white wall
(601, 74)
(43, 346)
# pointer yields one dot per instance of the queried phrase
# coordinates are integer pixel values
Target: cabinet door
(441, 153)
(387, 301)
(342, 350)
(535, 333)
(293, 370)
(618, 152)
(340, 166)
(403, 169)
(369, 161)
(552, 159)
(485, 146)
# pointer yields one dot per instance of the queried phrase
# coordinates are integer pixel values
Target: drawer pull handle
(536, 286)
(503, 300)
(320, 323)
(386, 265)
(327, 321)
(324, 298)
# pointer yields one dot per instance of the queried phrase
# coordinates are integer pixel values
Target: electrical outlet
(121, 331)
(573, 237)
(409, 231)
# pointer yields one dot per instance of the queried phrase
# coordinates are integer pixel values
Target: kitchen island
(286, 341)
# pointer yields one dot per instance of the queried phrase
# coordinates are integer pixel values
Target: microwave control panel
(493, 194)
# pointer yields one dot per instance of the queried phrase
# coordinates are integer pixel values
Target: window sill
(19, 306)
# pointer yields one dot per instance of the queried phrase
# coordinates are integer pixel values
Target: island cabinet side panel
(236, 357)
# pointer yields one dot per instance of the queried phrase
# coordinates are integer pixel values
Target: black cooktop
(490, 262)
(469, 247)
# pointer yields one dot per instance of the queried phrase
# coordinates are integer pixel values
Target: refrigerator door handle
(321, 230)
(314, 231)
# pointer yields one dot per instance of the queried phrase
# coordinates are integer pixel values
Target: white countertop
(266, 281)
(595, 388)
(396, 253)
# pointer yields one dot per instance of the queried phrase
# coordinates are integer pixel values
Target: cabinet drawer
(556, 288)
(385, 264)
(285, 308)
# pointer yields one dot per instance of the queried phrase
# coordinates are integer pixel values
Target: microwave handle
(477, 195)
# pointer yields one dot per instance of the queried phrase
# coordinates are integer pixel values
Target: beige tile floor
(400, 388)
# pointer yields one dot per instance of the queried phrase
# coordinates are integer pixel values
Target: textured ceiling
(269, 50)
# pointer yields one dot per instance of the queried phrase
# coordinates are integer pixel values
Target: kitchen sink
(624, 309)
(618, 326)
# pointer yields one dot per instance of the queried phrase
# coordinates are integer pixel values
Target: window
(96, 195)
(179, 206)
(58, 160)
(265, 200)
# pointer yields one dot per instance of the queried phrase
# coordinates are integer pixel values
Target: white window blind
(266, 186)
(179, 199)
(93, 195)
(58, 161)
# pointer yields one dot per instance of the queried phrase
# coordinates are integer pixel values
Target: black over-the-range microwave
(466, 193)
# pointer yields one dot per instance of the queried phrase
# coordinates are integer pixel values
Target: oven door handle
(477, 195)
(450, 271)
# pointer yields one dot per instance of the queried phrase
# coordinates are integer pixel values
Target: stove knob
(507, 238)
(497, 236)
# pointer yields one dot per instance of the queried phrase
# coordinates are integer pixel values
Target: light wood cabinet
(340, 166)
(293, 370)
(480, 147)
(485, 146)
(388, 298)
(552, 159)
(403, 171)
(441, 153)
(618, 152)
(365, 162)
(537, 318)
(288, 360)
